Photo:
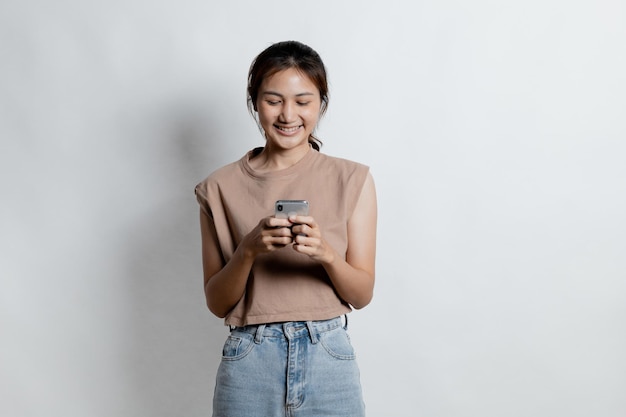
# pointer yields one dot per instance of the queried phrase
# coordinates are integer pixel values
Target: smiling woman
(288, 109)
(283, 284)
(288, 56)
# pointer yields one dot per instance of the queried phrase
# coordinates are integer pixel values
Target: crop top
(283, 285)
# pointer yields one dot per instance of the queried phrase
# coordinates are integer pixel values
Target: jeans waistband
(293, 329)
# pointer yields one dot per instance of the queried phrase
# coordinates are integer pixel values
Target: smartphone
(286, 208)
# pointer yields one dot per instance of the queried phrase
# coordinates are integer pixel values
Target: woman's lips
(288, 130)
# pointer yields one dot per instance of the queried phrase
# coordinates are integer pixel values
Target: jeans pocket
(337, 344)
(237, 346)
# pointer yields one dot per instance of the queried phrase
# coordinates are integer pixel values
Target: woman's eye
(303, 103)
(273, 103)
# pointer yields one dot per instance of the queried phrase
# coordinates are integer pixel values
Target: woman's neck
(278, 159)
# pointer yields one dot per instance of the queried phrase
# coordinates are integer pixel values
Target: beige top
(283, 285)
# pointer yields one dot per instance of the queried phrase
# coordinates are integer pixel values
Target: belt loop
(345, 326)
(258, 336)
(312, 332)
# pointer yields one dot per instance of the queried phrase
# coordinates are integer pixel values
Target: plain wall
(495, 132)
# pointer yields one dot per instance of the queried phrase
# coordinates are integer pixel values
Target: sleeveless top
(283, 285)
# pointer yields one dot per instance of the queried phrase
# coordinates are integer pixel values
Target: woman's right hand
(225, 284)
(269, 235)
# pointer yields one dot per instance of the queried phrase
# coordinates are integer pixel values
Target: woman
(283, 284)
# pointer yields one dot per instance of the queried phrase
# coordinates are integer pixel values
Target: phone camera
(280, 207)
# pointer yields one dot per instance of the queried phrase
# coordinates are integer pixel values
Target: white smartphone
(286, 208)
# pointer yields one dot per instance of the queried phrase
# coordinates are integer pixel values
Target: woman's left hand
(307, 239)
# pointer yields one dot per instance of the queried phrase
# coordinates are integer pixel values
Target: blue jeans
(294, 369)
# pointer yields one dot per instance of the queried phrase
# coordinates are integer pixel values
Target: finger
(299, 229)
(306, 230)
(276, 242)
(282, 241)
(271, 222)
(300, 240)
(282, 231)
(308, 241)
(300, 245)
(302, 219)
(277, 232)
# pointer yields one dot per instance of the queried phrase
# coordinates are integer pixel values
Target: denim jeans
(294, 369)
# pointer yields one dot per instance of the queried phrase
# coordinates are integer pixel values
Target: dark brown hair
(281, 56)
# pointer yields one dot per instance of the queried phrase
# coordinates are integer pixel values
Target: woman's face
(288, 105)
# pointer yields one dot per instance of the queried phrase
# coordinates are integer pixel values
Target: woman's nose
(288, 112)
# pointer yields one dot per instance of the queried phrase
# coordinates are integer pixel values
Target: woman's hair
(281, 56)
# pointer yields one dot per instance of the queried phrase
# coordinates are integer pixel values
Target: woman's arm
(225, 284)
(353, 278)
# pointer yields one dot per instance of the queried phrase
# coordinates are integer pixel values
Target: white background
(495, 131)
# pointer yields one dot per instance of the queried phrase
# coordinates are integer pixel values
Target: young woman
(283, 284)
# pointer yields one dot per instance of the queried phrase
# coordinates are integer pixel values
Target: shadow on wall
(176, 342)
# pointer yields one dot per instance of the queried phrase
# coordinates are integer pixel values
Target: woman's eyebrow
(274, 93)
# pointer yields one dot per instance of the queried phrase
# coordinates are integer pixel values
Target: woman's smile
(289, 130)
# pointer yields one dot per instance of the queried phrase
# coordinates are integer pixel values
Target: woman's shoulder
(219, 176)
(225, 171)
(336, 163)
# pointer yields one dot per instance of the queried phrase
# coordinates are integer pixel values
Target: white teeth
(290, 129)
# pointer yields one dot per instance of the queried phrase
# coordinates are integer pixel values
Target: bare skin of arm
(352, 277)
